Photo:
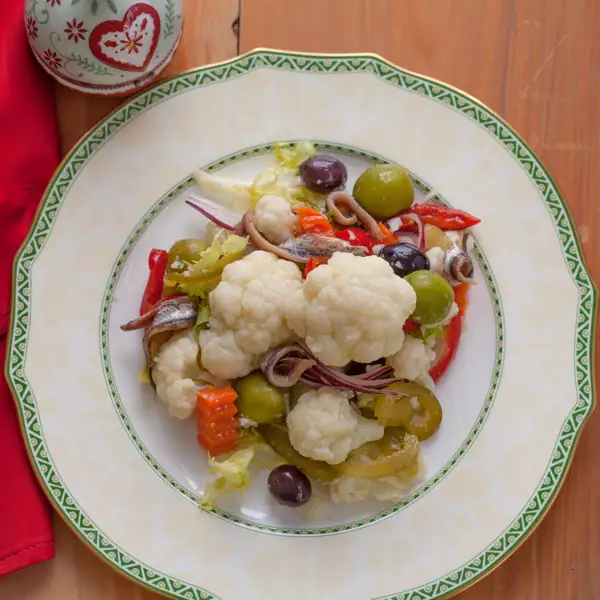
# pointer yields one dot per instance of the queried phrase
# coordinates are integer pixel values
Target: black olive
(323, 174)
(405, 258)
(289, 485)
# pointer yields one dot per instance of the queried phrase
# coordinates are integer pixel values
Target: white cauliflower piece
(436, 256)
(349, 489)
(246, 423)
(248, 313)
(352, 308)
(324, 426)
(274, 218)
(176, 373)
(413, 361)
(221, 354)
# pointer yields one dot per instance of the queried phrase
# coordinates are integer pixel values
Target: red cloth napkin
(29, 153)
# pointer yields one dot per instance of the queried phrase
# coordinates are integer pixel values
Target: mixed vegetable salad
(308, 335)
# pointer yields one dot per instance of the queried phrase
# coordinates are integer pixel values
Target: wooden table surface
(537, 63)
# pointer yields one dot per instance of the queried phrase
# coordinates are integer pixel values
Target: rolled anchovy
(170, 317)
(286, 366)
(309, 245)
(458, 265)
(173, 315)
(340, 201)
(147, 318)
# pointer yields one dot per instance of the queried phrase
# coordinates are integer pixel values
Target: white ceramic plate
(129, 479)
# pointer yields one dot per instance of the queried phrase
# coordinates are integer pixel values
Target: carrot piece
(214, 415)
(313, 221)
(215, 451)
(306, 211)
(388, 237)
(211, 397)
(218, 443)
(220, 426)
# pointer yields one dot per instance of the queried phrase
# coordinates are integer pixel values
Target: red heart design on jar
(128, 44)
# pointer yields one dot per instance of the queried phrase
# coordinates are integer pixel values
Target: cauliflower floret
(246, 423)
(349, 489)
(274, 218)
(413, 361)
(324, 426)
(222, 356)
(175, 373)
(436, 257)
(353, 308)
(248, 313)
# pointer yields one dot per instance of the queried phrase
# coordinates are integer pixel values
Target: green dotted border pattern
(544, 494)
(114, 394)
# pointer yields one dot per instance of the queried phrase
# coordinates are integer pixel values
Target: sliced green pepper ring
(420, 411)
(396, 451)
(277, 436)
(183, 252)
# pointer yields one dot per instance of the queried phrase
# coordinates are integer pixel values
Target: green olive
(434, 297)
(384, 191)
(420, 412)
(258, 399)
(394, 452)
(184, 251)
(276, 435)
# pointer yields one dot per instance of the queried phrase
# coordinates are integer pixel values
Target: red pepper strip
(460, 297)
(441, 216)
(167, 298)
(452, 333)
(410, 326)
(408, 226)
(356, 237)
(314, 262)
(157, 263)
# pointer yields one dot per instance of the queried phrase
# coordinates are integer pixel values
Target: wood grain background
(537, 63)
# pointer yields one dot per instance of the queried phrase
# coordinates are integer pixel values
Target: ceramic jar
(103, 46)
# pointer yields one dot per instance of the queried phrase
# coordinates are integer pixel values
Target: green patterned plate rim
(161, 204)
(541, 499)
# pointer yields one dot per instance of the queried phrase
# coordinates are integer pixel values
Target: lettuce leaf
(231, 193)
(203, 275)
(234, 473)
(293, 156)
(280, 179)
(218, 255)
(202, 319)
